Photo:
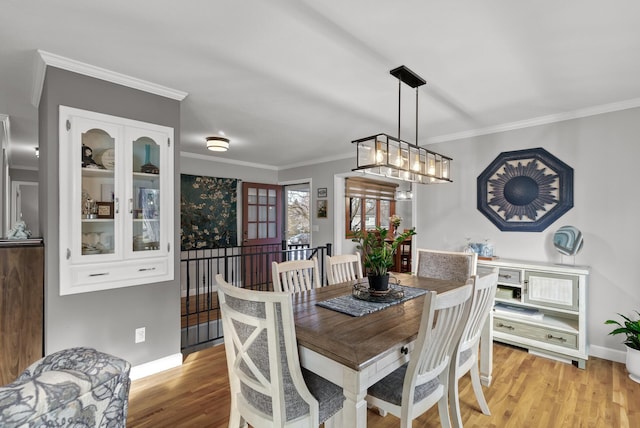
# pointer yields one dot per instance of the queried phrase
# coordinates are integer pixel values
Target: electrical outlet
(140, 334)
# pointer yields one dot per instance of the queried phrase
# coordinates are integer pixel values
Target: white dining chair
(296, 275)
(449, 265)
(343, 268)
(415, 387)
(268, 386)
(467, 351)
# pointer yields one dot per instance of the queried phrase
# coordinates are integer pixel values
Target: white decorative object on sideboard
(116, 202)
(541, 307)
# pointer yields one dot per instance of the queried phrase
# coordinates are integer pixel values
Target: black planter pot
(379, 282)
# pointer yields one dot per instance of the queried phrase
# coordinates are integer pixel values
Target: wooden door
(261, 232)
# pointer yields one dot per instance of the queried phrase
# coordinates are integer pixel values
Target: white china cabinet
(116, 202)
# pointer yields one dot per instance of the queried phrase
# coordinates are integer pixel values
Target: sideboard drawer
(540, 333)
(510, 276)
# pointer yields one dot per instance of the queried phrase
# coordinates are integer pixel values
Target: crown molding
(44, 59)
(536, 121)
(317, 161)
(228, 161)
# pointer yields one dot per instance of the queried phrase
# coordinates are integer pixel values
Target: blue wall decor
(525, 190)
(208, 212)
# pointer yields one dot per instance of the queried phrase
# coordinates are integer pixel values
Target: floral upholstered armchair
(78, 387)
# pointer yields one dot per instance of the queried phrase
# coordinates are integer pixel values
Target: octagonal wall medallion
(525, 190)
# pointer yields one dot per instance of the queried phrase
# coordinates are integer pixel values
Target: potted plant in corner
(631, 329)
(377, 254)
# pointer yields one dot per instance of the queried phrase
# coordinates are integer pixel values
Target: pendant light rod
(405, 75)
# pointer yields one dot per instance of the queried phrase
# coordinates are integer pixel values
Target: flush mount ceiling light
(217, 143)
(384, 155)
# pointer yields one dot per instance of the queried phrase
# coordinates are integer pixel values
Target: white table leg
(354, 411)
(486, 351)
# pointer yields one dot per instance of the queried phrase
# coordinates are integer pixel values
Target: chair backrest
(342, 268)
(443, 319)
(267, 386)
(295, 275)
(451, 265)
(482, 303)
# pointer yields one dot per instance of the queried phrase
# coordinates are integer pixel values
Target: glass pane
(385, 213)
(370, 214)
(272, 197)
(253, 213)
(272, 230)
(145, 156)
(272, 213)
(252, 195)
(252, 230)
(97, 193)
(263, 213)
(355, 213)
(262, 230)
(262, 196)
(146, 218)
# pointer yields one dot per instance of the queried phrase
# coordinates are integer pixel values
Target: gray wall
(603, 151)
(105, 320)
(322, 175)
(18, 174)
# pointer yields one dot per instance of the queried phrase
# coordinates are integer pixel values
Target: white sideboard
(541, 307)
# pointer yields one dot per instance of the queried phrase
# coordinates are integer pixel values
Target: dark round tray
(362, 291)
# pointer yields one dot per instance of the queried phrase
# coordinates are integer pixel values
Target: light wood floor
(527, 391)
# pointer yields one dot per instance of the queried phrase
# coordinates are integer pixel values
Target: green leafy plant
(377, 251)
(630, 328)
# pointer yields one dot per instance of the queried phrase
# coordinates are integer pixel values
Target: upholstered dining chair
(342, 268)
(451, 265)
(467, 351)
(295, 275)
(415, 387)
(268, 386)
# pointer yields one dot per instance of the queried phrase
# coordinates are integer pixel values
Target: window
(369, 203)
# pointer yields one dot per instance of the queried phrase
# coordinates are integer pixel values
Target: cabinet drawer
(540, 333)
(510, 276)
(87, 276)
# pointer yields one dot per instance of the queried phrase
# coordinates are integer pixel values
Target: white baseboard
(608, 353)
(156, 366)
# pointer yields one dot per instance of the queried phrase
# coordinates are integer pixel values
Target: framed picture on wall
(322, 192)
(322, 208)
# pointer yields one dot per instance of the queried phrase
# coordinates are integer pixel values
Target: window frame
(350, 233)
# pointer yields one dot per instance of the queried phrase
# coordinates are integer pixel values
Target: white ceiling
(291, 82)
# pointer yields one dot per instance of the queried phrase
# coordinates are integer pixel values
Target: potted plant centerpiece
(377, 254)
(631, 329)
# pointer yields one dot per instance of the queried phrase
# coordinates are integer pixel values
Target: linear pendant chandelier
(387, 156)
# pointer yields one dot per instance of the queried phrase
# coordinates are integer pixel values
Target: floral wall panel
(208, 212)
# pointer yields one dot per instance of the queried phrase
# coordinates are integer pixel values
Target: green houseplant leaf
(377, 251)
(630, 328)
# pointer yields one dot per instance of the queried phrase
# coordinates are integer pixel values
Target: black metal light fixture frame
(388, 156)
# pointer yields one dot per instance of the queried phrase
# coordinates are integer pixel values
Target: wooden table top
(357, 342)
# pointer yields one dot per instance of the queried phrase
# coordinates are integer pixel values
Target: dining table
(356, 351)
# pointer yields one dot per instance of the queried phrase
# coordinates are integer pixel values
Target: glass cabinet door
(146, 191)
(96, 195)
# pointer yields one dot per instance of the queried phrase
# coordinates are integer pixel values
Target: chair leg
(454, 400)
(236, 421)
(443, 411)
(477, 388)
